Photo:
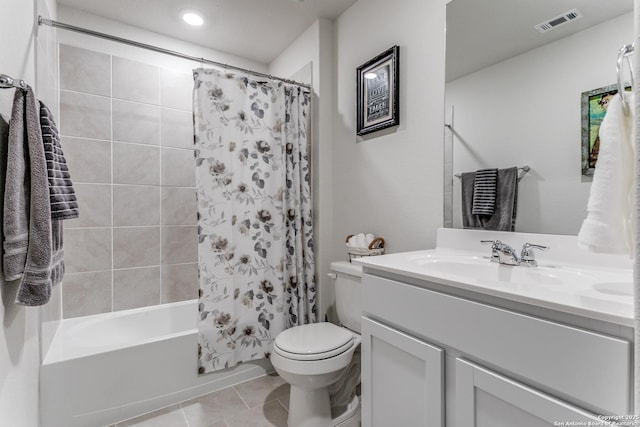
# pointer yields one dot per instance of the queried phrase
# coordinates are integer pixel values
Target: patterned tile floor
(262, 402)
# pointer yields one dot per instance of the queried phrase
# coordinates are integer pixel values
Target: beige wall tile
(177, 128)
(87, 249)
(135, 81)
(85, 116)
(178, 168)
(176, 90)
(179, 282)
(136, 122)
(136, 247)
(83, 70)
(86, 293)
(94, 202)
(114, 114)
(179, 206)
(179, 245)
(136, 287)
(136, 164)
(136, 205)
(89, 160)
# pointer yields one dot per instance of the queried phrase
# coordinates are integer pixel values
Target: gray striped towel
(484, 192)
(64, 204)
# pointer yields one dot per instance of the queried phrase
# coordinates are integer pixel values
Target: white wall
(19, 346)
(96, 23)
(526, 110)
(315, 46)
(391, 183)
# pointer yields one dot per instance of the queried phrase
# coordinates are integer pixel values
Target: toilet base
(351, 417)
(312, 409)
(309, 408)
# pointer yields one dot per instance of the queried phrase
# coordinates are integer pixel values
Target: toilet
(316, 359)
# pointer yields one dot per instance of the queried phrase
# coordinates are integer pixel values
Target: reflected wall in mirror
(513, 99)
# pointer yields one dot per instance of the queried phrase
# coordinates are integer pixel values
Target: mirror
(513, 98)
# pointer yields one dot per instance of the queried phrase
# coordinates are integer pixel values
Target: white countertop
(566, 280)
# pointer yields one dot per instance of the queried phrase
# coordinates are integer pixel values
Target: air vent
(559, 20)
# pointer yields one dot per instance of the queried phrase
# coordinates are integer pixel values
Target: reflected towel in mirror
(504, 215)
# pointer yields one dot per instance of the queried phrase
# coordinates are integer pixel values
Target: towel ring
(623, 53)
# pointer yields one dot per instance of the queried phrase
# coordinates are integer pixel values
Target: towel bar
(523, 169)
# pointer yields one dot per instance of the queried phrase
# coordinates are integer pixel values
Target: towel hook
(7, 82)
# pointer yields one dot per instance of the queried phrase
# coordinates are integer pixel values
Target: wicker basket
(376, 247)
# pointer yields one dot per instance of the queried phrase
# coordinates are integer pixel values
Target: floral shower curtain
(255, 252)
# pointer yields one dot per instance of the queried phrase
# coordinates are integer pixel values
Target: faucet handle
(528, 246)
(495, 248)
(527, 255)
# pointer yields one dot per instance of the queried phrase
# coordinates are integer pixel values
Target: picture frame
(593, 109)
(378, 83)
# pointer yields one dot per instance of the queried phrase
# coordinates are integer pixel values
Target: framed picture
(594, 105)
(378, 88)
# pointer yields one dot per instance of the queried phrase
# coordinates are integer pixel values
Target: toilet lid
(313, 342)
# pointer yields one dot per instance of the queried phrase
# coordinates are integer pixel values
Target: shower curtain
(255, 251)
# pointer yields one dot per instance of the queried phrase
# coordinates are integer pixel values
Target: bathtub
(109, 367)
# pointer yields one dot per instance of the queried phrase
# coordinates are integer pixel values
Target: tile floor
(262, 402)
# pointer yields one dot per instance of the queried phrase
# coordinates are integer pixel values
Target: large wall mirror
(513, 98)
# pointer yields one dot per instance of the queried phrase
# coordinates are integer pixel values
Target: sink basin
(567, 278)
(623, 289)
(481, 270)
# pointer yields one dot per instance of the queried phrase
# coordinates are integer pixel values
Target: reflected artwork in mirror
(513, 98)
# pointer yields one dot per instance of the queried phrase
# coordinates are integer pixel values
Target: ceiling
(253, 29)
(482, 33)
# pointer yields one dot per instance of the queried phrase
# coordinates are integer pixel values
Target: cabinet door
(402, 379)
(486, 399)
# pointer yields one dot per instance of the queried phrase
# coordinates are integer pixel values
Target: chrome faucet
(527, 256)
(504, 254)
(495, 247)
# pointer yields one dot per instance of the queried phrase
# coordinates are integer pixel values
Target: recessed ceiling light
(192, 18)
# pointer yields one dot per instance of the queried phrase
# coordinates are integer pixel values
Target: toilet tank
(347, 286)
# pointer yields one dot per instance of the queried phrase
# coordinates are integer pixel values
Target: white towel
(608, 227)
(360, 240)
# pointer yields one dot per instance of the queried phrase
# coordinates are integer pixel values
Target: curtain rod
(56, 24)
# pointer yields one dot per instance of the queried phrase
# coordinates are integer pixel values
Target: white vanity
(450, 338)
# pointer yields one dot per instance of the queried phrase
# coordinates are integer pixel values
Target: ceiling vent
(559, 20)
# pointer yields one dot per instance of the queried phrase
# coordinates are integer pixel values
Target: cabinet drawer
(587, 367)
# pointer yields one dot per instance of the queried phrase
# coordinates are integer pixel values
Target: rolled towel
(368, 238)
(360, 240)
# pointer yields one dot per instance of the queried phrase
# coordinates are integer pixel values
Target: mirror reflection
(513, 96)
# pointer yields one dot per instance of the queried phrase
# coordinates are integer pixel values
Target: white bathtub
(109, 367)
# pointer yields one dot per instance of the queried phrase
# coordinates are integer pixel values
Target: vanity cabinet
(487, 399)
(435, 359)
(402, 378)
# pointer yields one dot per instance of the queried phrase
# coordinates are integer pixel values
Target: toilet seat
(314, 341)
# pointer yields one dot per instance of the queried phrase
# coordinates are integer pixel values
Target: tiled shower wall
(127, 134)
